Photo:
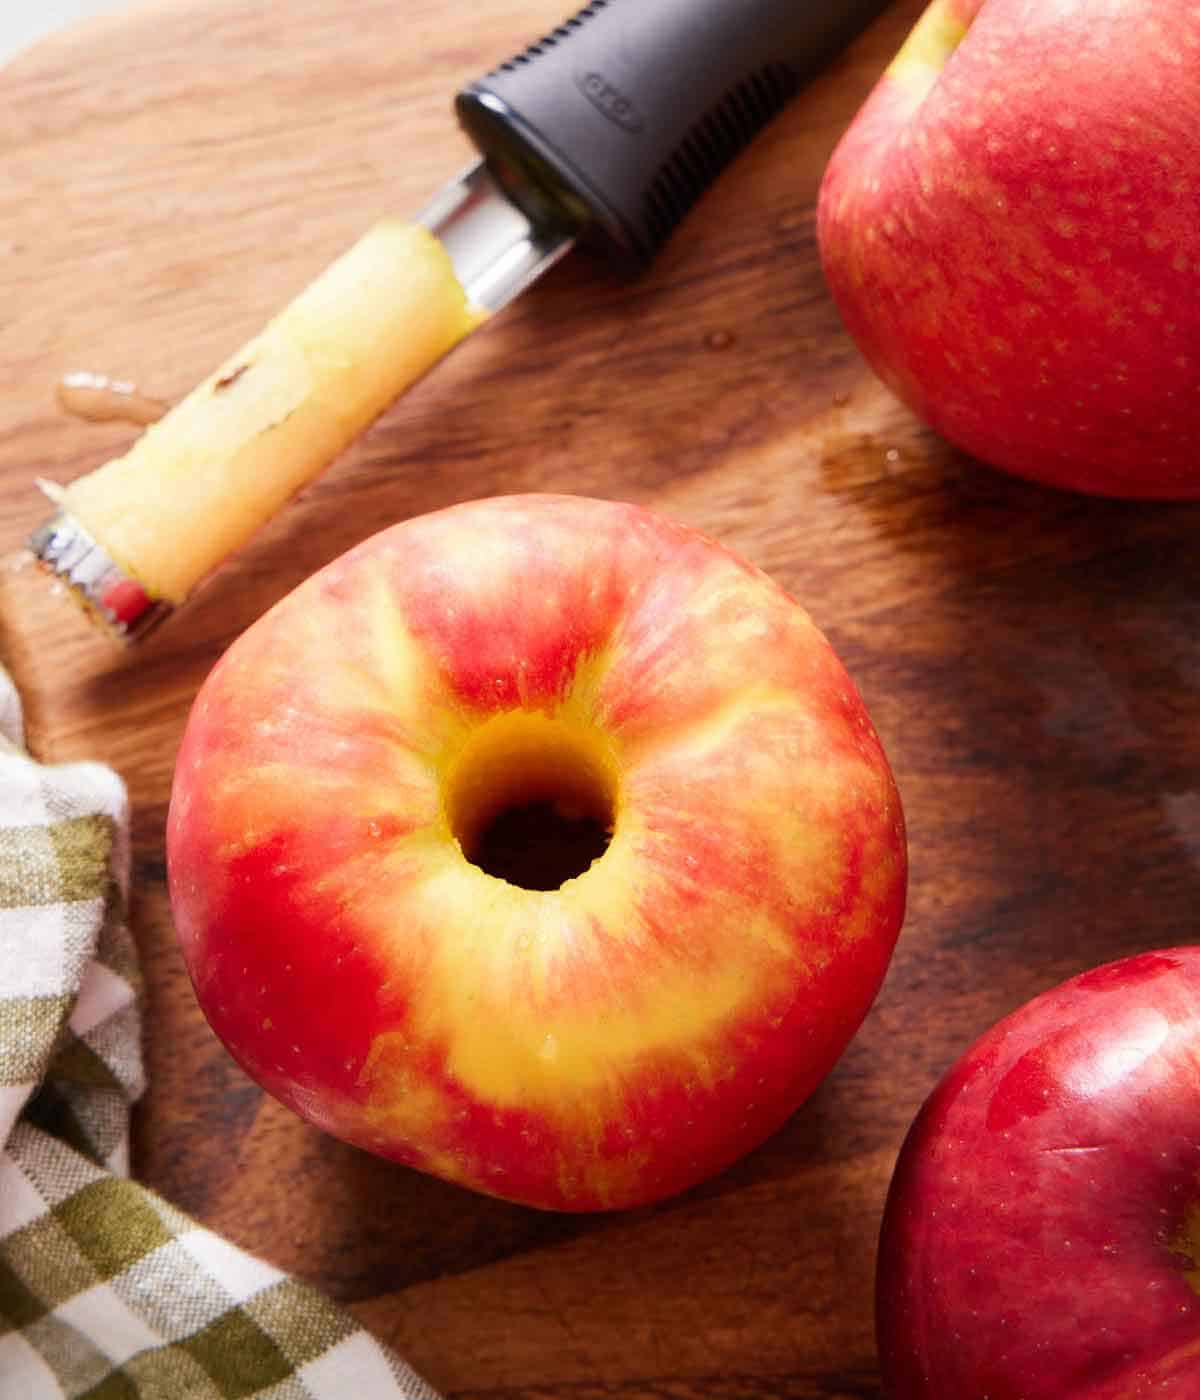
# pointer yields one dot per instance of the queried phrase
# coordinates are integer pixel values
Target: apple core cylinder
(197, 484)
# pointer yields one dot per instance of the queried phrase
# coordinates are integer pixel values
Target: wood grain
(172, 175)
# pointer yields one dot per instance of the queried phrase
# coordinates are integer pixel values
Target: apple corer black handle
(617, 122)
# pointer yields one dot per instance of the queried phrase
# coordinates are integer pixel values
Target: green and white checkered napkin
(106, 1291)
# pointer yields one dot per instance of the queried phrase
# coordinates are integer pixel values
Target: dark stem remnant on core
(227, 381)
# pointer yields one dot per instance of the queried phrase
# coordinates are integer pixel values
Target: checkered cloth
(106, 1291)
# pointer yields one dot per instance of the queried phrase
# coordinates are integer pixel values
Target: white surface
(23, 24)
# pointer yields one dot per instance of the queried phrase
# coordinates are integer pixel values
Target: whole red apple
(1011, 230)
(1041, 1239)
(539, 843)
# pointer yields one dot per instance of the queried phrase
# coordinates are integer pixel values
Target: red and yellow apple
(361, 781)
(1011, 230)
(1041, 1239)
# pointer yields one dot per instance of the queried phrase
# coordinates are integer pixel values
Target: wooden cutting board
(170, 177)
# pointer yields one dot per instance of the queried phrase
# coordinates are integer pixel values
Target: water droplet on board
(99, 399)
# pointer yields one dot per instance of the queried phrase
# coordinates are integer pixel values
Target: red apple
(587, 1037)
(1011, 230)
(1041, 1239)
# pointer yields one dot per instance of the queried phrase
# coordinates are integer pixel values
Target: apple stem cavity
(1186, 1245)
(532, 799)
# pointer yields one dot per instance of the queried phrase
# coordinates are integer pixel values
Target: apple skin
(596, 1046)
(1010, 230)
(1044, 1215)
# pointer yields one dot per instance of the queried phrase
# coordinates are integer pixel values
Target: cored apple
(1009, 228)
(540, 843)
(1041, 1239)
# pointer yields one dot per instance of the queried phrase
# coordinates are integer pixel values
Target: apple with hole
(1011, 230)
(539, 843)
(1041, 1239)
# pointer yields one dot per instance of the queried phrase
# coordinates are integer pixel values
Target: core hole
(539, 845)
(532, 799)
